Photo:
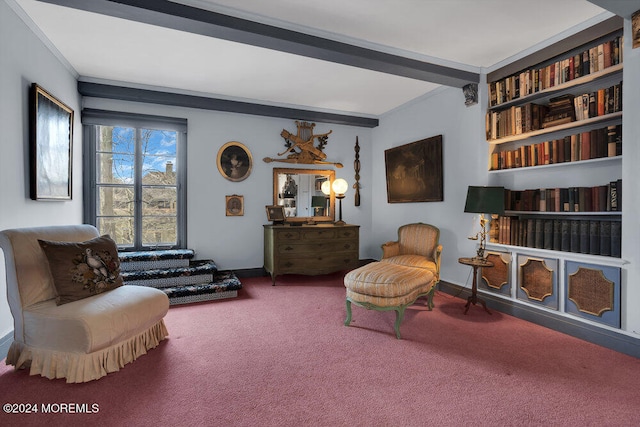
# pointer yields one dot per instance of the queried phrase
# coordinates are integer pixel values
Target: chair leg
(348, 321)
(430, 299)
(399, 317)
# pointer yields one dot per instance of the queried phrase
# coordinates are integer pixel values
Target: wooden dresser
(310, 249)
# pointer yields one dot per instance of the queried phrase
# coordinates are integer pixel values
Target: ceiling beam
(100, 90)
(212, 24)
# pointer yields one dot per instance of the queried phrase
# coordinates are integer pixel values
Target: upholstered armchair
(84, 338)
(417, 246)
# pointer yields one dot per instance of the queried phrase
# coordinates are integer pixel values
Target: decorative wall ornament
(356, 167)
(235, 205)
(300, 147)
(234, 161)
(470, 92)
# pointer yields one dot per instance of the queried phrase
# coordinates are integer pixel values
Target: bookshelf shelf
(590, 162)
(523, 214)
(562, 88)
(571, 256)
(613, 117)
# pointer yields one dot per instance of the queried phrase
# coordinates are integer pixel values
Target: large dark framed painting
(50, 146)
(414, 171)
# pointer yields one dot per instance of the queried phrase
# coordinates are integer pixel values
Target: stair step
(195, 268)
(225, 285)
(145, 260)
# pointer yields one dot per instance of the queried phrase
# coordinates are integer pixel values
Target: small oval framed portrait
(234, 161)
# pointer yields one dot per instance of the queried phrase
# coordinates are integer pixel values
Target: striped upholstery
(387, 285)
(409, 268)
(384, 280)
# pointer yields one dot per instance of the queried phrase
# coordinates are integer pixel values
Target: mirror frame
(330, 173)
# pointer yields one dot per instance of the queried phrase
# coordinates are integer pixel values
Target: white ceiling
(470, 35)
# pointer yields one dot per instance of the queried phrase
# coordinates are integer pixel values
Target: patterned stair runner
(177, 274)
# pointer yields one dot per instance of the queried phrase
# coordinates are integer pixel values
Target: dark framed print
(50, 146)
(235, 205)
(234, 161)
(414, 171)
(275, 213)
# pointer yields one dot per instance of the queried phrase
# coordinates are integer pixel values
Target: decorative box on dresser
(310, 249)
(555, 251)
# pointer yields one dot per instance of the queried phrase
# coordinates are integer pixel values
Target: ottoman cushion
(387, 285)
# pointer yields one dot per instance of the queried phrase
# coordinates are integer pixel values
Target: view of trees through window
(136, 186)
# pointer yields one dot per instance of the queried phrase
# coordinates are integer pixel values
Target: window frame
(91, 120)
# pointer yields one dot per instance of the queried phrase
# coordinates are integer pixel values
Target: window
(135, 178)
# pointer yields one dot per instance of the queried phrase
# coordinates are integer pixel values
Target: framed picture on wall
(234, 161)
(50, 146)
(235, 205)
(414, 171)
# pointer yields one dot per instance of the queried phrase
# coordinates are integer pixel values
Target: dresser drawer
(317, 264)
(301, 247)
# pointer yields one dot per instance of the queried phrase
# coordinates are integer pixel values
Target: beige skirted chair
(409, 269)
(77, 337)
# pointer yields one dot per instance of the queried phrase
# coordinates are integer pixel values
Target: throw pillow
(83, 269)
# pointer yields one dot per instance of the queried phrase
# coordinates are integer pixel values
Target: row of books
(601, 198)
(521, 119)
(599, 103)
(595, 237)
(534, 80)
(594, 144)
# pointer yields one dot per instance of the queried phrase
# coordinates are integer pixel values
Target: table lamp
(484, 200)
(339, 187)
(318, 203)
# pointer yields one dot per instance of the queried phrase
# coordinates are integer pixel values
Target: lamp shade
(339, 186)
(326, 187)
(486, 200)
(318, 201)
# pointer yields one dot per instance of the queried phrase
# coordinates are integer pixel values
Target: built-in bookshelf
(554, 131)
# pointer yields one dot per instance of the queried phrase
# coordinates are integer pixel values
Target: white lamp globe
(326, 187)
(340, 186)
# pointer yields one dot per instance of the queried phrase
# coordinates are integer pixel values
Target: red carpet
(280, 356)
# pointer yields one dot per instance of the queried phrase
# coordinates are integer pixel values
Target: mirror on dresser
(300, 192)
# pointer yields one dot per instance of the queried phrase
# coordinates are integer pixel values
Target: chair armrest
(436, 258)
(390, 249)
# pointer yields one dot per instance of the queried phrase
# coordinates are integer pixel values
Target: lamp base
(339, 223)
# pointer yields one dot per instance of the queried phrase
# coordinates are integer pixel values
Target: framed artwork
(414, 171)
(50, 146)
(234, 205)
(275, 213)
(234, 161)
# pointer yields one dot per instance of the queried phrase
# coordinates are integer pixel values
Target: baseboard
(5, 343)
(604, 337)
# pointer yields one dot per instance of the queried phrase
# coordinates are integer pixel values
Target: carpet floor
(281, 356)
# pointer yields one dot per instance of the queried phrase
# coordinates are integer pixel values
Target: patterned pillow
(80, 270)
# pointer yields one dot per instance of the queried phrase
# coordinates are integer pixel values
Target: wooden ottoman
(384, 286)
